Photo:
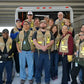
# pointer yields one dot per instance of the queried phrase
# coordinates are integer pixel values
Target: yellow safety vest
(64, 44)
(43, 39)
(21, 38)
(56, 43)
(81, 50)
(8, 44)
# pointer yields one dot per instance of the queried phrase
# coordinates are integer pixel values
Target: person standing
(25, 49)
(14, 32)
(36, 24)
(43, 40)
(70, 28)
(60, 22)
(30, 19)
(78, 60)
(7, 47)
(54, 52)
(66, 51)
(51, 23)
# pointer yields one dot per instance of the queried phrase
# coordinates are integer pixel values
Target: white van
(41, 11)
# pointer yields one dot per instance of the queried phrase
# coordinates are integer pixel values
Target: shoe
(17, 74)
(48, 83)
(30, 81)
(22, 81)
(38, 83)
(55, 78)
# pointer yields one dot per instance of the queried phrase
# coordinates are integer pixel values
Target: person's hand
(33, 51)
(69, 58)
(44, 48)
(19, 51)
(75, 53)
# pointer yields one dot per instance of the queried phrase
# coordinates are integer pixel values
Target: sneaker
(17, 74)
(30, 81)
(38, 83)
(22, 81)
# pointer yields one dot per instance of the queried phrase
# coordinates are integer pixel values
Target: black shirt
(5, 49)
(35, 37)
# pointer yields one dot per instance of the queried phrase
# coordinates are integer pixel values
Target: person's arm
(12, 49)
(70, 45)
(17, 44)
(70, 48)
(36, 43)
(13, 35)
(35, 40)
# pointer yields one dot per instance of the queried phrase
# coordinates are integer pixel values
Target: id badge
(1, 61)
(76, 64)
(24, 42)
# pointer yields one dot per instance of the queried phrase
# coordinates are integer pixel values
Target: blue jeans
(8, 65)
(80, 75)
(54, 64)
(42, 60)
(23, 57)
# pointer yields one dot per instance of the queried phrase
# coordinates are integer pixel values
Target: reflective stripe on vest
(8, 44)
(64, 44)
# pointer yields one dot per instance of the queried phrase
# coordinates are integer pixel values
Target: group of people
(38, 45)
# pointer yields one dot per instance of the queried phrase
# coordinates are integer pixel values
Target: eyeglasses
(81, 34)
(25, 24)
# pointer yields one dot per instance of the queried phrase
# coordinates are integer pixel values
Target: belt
(26, 50)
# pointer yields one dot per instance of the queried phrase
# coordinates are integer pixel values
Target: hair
(82, 25)
(68, 21)
(61, 13)
(51, 19)
(56, 33)
(25, 21)
(66, 26)
(36, 19)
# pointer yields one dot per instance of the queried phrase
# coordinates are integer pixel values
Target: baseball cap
(5, 31)
(18, 20)
(30, 13)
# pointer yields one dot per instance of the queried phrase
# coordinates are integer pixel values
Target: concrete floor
(58, 81)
